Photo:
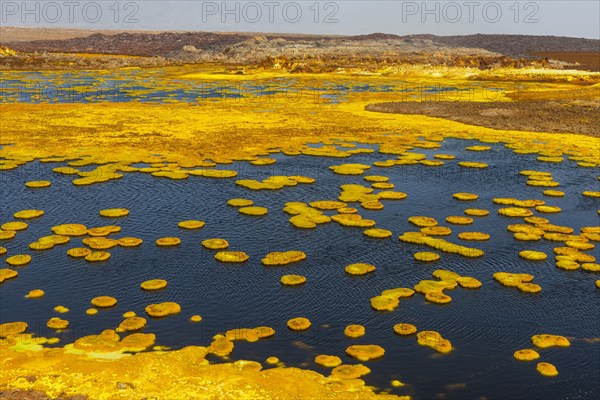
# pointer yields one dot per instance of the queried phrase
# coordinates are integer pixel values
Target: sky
(579, 18)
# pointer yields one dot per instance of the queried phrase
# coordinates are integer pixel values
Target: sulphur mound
(14, 226)
(476, 212)
(345, 371)
(327, 204)
(154, 284)
(384, 303)
(104, 230)
(4, 235)
(328, 361)
(100, 243)
(240, 202)
(104, 301)
(97, 256)
(472, 164)
(250, 334)
(478, 148)
(168, 241)
(57, 323)
(293, 280)
(70, 229)
(114, 212)
(299, 324)
(546, 340)
(376, 178)
(35, 294)
(191, 224)
(434, 340)
(131, 324)
(129, 242)
(283, 258)
(7, 273)
(426, 256)
(377, 233)
(165, 309)
(459, 220)
(28, 214)
(359, 268)
(61, 309)
(422, 221)
(38, 184)
(18, 260)
(515, 212)
(12, 328)
(253, 210)
(231, 256)
(215, 243)
(526, 355)
(473, 236)
(465, 196)
(354, 331)
(365, 352)
(547, 369)
(405, 329)
(79, 252)
(436, 230)
(533, 255)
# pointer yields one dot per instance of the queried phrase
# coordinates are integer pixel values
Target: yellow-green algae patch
(465, 196)
(28, 214)
(18, 260)
(57, 323)
(293, 280)
(253, 210)
(168, 241)
(97, 256)
(365, 352)
(405, 329)
(154, 284)
(476, 212)
(426, 256)
(359, 268)
(191, 224)
(434, 340)
(215, 243)
(354, 331)
(37, 184)
(70, 229)
(129, 242)
(14, 226)
(232, 256)
(7, 273)
(299, 324)
(547, 369)
(526, 355)
(35, 294)
(240, 202)
(104, 301)
(547, 340)
(164, 309)
(114, 212)
(328, 361)
(283, 258)
(378, 233)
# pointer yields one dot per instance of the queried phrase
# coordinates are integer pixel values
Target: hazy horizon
(578, 19)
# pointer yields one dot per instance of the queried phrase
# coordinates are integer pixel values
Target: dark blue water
(485, 326)
(161, 86)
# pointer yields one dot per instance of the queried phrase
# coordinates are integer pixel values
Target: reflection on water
(485, 326)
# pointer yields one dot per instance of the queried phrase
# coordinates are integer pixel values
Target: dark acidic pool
(485, 326)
